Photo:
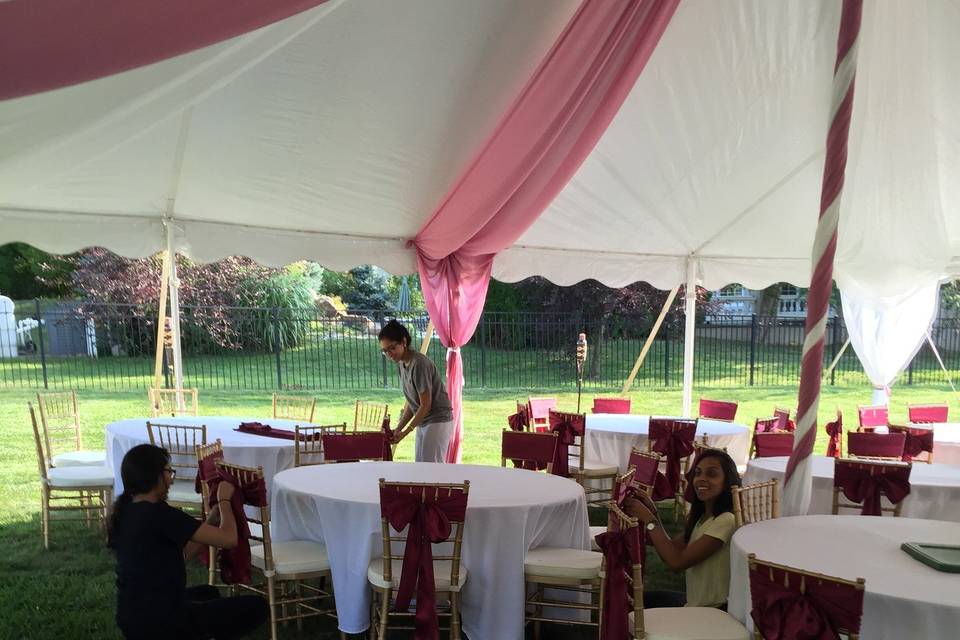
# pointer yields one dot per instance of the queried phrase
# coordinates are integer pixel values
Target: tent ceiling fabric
(331, 135)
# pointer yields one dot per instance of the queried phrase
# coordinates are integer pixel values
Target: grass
(68, 592)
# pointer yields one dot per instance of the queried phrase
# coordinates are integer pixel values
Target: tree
(27, 272)
(369, 291)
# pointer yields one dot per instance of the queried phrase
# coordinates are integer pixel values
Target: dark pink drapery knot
(673, 440)
(519, 421)
(869, 482)
(235, 563)
(429, 523)
(567, 426)
(621, 550)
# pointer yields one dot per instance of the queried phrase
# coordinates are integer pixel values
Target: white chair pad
(80, 459)
(79, 477)
(291, 558)
(593, 468)
(183, 492)
(691, 623)
(441, 574)
(557, 562)
(594, 532)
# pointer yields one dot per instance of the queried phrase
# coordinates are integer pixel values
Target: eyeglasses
(389, 349)
(171, 471)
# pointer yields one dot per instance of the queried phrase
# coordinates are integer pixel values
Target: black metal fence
(68, 344)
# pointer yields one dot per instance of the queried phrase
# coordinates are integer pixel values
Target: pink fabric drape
(48, 44)
(534, 151)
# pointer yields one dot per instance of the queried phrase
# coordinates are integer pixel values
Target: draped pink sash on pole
(537, 146)
(797, 480)
(48, 44)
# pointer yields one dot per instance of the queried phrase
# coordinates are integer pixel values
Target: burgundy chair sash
(428, 517)
(767, 445)
(866, 483)
(783, 419)
(621, 550)
(816, 611)
(235, 563)
(567, 426)
(875, 416)
(766, 425)
(529, 450)
(259, 429)
(387, 439)
(880, 445)
(928, 413)
(672, 439)
(718, 409)
(611, 405)
(917, 440)
(835, 431)
(646, 469)
(519, 421)
(207, 470)
(351, 447)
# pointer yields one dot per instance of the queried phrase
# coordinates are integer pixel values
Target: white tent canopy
(333, 134)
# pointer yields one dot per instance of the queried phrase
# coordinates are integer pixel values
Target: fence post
(275, 316)
(483, 352)
(835, 331)
(753, 345)
(43, 349)
(666, 356)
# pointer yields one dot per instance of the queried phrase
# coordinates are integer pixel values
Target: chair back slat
(718, 410)
(881, 446)
(181, 442)
(294, 407)
(308, 442)
(173, 402)
(528, 450)
(925, 413)
(353, 447)
(43, 459)
(768, 445)
(369, 415)
(873, 416)
(838, 603)
(756, 502)
(60, 422)
(611, 405)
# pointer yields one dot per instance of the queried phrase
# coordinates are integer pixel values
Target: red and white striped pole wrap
(797, 482)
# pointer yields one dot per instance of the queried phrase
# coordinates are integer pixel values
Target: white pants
(432, 442)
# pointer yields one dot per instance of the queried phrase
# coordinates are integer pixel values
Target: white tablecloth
(934, 488)
(509, 511)
(611, 436)
(904, 598)
(273, 454)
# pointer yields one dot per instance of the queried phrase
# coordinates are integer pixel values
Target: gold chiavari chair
(294, 407)
(207, 455)
(449, 574)
(86, 489)
(181, 442)
(369, 415)
(173, 402)
(60, 420)
(286, 569)
(756, 502)
(528, 449)
(620, 521)
(595, 476)
(873, 467)
(308, 442)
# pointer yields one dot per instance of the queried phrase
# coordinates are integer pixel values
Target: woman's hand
(225, 491)
(636, 509)
(646, 500)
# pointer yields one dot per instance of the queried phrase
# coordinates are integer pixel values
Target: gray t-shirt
(419, 375)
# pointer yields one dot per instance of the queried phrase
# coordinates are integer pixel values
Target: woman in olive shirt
(427, 407)
(703, 549)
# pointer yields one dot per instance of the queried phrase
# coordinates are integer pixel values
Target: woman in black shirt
(152, 540)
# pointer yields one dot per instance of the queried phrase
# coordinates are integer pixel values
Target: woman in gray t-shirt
(427, 407)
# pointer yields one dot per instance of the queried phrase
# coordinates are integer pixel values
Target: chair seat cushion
(557, 562)
(80, 459)
(441, 574)
(594, 532)
(80, 477)
(593, 468)
(183, 492)
(292, 558)
(691, 623)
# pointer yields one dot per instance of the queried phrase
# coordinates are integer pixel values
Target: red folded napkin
(259, 429)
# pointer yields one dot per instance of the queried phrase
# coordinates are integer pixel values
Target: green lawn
(68, 592)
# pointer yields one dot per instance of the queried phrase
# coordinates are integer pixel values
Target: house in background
(735, 304)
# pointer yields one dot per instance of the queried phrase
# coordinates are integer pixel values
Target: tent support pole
(690, 310)
(650, 338)
(161, 320)
(175, 318)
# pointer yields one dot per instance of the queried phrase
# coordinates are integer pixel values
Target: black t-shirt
(151, 576)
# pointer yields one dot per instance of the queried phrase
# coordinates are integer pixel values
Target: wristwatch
(651, 525)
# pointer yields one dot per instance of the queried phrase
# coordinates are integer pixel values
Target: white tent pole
(690, 295)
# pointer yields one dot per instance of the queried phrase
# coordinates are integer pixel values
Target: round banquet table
(611, 436)
(247, 449)
(509, 511)
(946, 440)
(904, 598)
(934, 488)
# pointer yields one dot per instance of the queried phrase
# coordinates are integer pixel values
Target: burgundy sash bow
(918, 441)
(567, 426)
(387, 439)
(259, 429)
(621, 550)
(429, 519)
(835, 431)
(673, 440)
(519, 421)
(235, 563)
(817, 612)
(868, 483)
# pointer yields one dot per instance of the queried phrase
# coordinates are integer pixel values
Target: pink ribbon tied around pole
(235, 563)
(567, 426)
(674, 444)
(621, 550)
(860, 485)
(429, 523)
